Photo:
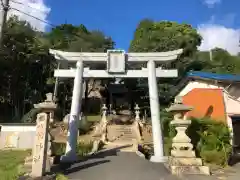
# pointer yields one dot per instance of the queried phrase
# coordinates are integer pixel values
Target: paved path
(114, 165)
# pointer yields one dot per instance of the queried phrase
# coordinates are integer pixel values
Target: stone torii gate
(116, 68)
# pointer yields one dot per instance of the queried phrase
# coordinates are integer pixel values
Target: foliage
(163, 36)
(222, 62)
(26, 68)
(79, 39)
(168, 131)
(31, 116)
(61, 177)
(82, 148)
(211, 140)
(10, 164)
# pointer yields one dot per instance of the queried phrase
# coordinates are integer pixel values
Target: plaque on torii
(116, 62)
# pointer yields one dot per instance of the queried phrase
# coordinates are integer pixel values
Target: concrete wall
(232, 89)
(17, 136)
(231, 93)
(207, 103)
(197, 84)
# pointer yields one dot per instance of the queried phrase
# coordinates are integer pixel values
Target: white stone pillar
(70, 154)
(155, 114)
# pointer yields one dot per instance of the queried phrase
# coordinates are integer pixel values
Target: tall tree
(163, 36)
(79, 39)
(24, 67)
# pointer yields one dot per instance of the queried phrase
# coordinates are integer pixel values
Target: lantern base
(184, 165)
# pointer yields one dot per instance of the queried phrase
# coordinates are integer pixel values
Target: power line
(43, 21)
(17, 2)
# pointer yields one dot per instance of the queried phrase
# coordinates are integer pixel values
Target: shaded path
(115, 165)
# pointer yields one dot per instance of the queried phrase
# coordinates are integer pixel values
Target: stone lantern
(137, 112)
(183, 158)
(100, 130)
(48, 106)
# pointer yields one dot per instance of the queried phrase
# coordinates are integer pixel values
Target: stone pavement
(116, 165)
(228, 173)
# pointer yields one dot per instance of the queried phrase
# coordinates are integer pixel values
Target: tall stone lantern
(183, 158)
(137, 112)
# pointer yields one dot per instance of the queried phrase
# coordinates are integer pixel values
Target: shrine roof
(205, 76)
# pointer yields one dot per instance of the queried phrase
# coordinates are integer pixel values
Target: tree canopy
(163, 36)
(26, 68)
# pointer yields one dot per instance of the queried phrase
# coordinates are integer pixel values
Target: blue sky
(217, 20)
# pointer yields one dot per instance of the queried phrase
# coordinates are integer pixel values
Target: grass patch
(11, 162)
(82, 148)
(61, 177)
(93, 118)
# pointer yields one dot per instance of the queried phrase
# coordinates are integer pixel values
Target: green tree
(24, 67)
(163, 36)
(79, 39)
(222, 62)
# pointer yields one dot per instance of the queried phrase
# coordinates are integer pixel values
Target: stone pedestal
(183, 159)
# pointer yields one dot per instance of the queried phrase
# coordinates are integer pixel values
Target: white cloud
(36, 8)
(211, 3)
(219, 36)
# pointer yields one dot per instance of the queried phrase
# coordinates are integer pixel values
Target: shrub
(82, 148)
(31, 116)
(211, 140)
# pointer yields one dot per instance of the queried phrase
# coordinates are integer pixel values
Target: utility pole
(210, 54)
(56, 86)
(3, 17)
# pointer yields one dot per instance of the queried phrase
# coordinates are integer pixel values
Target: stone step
(122, 137)
(122, 145)
(120, 127)
(126, 137)
(122, 131)
(125, 130)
